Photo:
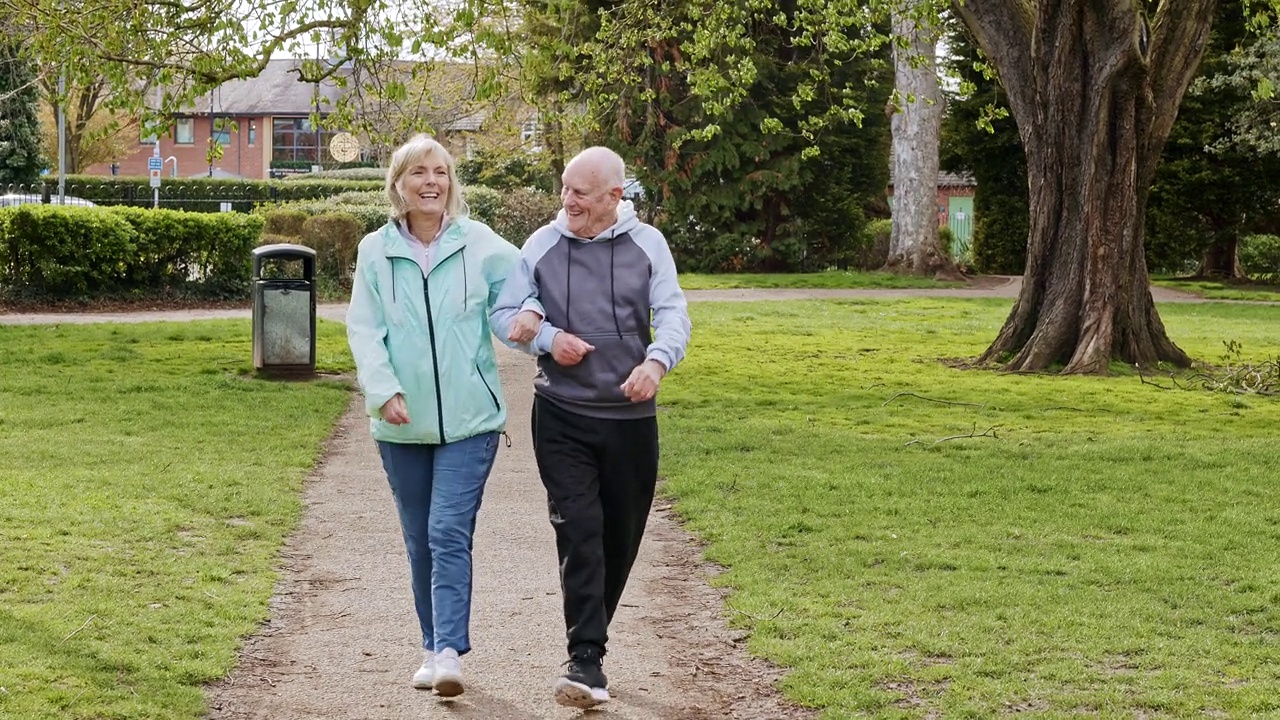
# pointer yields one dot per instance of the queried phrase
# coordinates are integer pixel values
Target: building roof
(946, 179)
(276, 91)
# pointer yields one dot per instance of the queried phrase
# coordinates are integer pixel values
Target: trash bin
(284, 309)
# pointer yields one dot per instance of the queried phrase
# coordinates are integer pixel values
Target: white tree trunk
(916, 123)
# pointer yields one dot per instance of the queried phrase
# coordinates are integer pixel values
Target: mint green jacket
(428, 338)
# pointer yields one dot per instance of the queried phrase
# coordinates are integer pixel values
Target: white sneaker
(448, 680)
(426, 675)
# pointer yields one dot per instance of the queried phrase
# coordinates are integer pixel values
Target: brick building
(257, 121)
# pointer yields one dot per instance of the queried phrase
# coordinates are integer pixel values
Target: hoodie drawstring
(613, 296)
(568, 285)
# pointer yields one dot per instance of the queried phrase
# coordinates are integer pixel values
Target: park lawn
(1114, 550)
(1211, 290)
(147, 483)
(831, 280)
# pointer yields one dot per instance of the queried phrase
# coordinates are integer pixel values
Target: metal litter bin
(284, 309)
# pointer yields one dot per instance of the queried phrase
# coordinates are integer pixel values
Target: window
(253, 132)
(222, 129)
(184, 132)
(297, 140)
(528, 130)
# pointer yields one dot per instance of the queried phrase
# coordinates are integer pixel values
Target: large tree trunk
(916, 121)
(1095, 93)
(1221, 260)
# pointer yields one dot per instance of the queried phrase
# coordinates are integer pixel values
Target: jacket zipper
(492, 396)
(435, 353)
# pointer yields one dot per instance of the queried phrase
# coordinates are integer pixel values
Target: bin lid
(283, 250)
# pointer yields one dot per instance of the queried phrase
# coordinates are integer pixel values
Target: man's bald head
(602, 164)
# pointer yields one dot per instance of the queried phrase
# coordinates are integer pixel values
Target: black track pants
(600, 477)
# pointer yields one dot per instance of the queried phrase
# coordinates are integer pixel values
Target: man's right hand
(568, 349)
(395, 411)
(525, 327)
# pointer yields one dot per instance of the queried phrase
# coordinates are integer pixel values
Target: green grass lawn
(1222, 291)
(1114, 550)
(147, 481)
(835, 279)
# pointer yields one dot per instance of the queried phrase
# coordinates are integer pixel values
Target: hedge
(53, 252)
(199, 194)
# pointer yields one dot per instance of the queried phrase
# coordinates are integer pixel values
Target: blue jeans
(437, 489)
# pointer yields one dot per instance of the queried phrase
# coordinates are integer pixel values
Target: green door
(960, 219)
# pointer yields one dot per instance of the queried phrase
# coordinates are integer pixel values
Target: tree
(95, 132)
(916, 120)
(979, 138)
(1218, 179)
(1095, 89)
(20, 161)
(753, 194)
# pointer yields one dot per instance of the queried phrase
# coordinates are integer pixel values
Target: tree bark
(1094, 91)
(1221, 260)
(916, 121)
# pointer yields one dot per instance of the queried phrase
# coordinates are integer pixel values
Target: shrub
(514, 214)
(335, 238)
(874, 248)
(202, 194)
(1260, 257)
(505, 170)
(66, 251)
(1000, 229)
(284, 221)
(82, 252)
(371, 217)
(524, 210)
(355, 173)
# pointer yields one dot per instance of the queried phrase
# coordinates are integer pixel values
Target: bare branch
(922, 397)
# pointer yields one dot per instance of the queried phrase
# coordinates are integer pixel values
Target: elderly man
(596, 294)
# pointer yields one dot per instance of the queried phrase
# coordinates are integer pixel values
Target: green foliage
(371, 217)
(875, 245)
(20, 160)
(204, 194)
(56, 251)
(1000, 229)
(980, 137)
(770, 187)
(1212, 186)
(523, 211)
(335, 238)
(514, 214)
(283, 221)
(1260, 256)
(53, 252)
(505, 170)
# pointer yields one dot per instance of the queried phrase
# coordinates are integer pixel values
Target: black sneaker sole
(576, 695)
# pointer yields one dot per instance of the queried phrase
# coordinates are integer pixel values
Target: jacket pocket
(492, 395)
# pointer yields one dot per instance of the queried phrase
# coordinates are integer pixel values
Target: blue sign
(155, 163)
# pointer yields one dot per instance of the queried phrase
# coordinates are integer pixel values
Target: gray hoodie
(617, 291)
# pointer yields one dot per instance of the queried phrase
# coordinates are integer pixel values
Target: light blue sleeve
(520, 292)
(367, 334)
(671, 325)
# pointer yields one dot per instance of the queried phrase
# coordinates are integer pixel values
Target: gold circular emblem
(344, 147)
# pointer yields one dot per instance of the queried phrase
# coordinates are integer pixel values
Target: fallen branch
(757, 618)
(989, 432)
(73, 632)
(922, 397)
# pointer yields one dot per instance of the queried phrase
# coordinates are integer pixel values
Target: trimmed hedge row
(52, 252)
(199, 194)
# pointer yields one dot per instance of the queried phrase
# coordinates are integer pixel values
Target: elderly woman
(418, 328)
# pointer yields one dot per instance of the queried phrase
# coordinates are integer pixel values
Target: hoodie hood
(627, 221)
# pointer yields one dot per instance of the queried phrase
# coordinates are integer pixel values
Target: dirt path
(342, 641)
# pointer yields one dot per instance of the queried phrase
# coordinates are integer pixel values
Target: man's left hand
(644, 380)
(525, 327)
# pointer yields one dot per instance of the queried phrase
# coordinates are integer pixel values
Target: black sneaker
(584, 685)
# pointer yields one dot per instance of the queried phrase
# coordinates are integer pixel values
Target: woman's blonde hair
(420, 149)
